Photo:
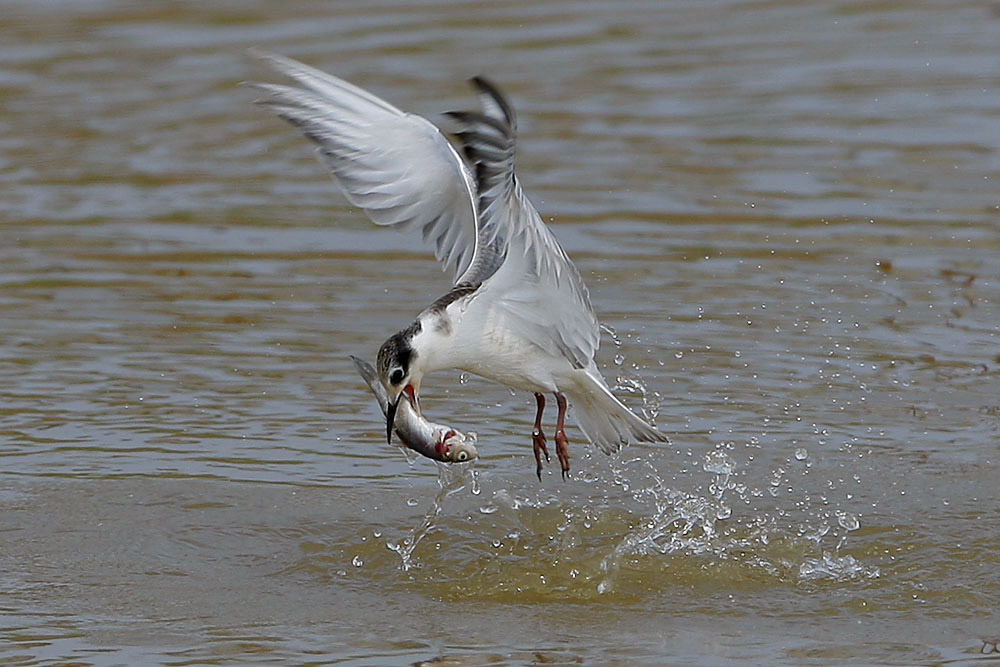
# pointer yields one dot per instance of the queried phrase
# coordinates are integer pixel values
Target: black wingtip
(488, 88)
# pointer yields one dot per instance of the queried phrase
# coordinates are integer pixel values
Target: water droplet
(848, 521)
(619, 359)
(718, 462)
(801, 454)
(610, 330)
(837, 568)
(723, 512)
(679, 354)
(357, 562)
(489, 509)
(411, 502)
(463, 378)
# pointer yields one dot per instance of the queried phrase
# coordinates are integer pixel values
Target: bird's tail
(604, 419)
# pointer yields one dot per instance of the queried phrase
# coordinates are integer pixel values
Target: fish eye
(462, 456)
(396, 376)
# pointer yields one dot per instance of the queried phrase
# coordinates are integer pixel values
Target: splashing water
(613, 333)
(624, 528)
(695, 524)
(838, 568)
(680, 521)
(631, 382)
(452, 478)
(637, 519)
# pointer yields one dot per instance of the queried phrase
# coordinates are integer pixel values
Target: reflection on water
(786, 214)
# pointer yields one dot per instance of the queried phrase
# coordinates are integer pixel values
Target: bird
(518, 311)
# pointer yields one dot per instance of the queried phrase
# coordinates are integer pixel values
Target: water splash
(680, 521)
(632, 523)
(837, 568)
(698, 524)
(452, 478)
(613, 333)
(630, 382)
(411, 456)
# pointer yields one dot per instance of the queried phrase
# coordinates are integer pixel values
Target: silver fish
(435, 441)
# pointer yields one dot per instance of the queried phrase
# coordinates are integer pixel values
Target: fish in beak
(390, 413)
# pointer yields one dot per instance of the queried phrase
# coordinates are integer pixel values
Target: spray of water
(625, 517)
(628, 380)
(697, 524)
(452, 478)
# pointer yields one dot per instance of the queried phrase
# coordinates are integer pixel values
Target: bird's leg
(537, 437)
(562, 449)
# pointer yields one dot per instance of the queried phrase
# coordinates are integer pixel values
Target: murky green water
(788, 215)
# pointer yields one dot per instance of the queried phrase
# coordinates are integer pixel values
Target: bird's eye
(396, 376)
(463, 456)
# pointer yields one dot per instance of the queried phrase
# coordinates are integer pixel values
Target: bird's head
(398, 373)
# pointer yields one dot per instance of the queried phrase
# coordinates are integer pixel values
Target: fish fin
(367, 372)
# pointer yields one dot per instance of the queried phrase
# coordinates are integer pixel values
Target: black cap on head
(393, 363)
(396, 354)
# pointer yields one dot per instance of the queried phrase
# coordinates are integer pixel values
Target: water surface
(789, 220)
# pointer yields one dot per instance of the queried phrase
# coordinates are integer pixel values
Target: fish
(435, 441)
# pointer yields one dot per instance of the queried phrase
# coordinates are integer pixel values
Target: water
(787, 214)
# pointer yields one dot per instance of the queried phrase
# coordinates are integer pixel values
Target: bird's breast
(482, 345)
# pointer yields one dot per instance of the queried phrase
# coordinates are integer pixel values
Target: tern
(518, 311)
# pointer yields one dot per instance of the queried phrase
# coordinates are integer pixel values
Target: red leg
(537, 437)
(562, 449)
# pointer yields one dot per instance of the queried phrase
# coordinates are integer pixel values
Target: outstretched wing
(396, 166)
(402, 171)
(528, 279)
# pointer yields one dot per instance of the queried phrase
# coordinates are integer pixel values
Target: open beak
(390, 414)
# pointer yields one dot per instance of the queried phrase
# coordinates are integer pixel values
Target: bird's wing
(528, 279)
(396, 166)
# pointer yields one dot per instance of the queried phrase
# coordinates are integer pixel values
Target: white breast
(480, 344)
